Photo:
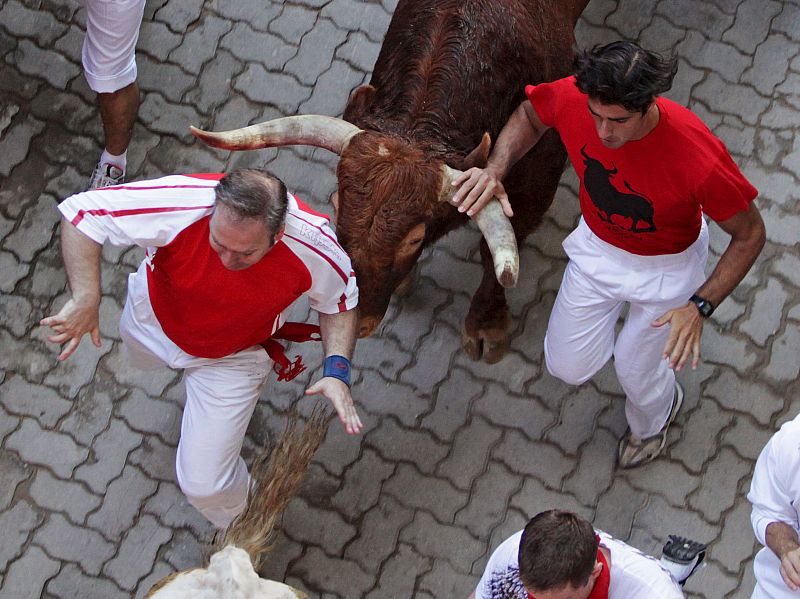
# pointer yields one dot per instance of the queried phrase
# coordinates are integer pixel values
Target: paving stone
(62, 540)
(380, 397)
(160, 570)
(71, 375)
(156, 459)
(724, 59)
(21, 398)
(399, 573)
(12, 470)
(183, 551)
(770, 185)
(109, 452)
(69, 110)
(577, 420)
(258, 14)
(27, 576)
(722, 348)
(137, 552)
(745, 103)
(617, 508)
(751, 398)
(530, 457)
(46, 448)
(783, 365)
(469, 453)
(11, 81)
(780, 225)
(151, 416)
(252, 46)
(284, 552)
(20, 357)
(443, 580)
(293, 23)
(157, 40)
(15, 526)
(706, 18)
(352, 15)
(90, 415)
(278, 89)
(164, 117)
(179, 15)
(35, 229)
(419, 492)
(236, 112)
(21, 21)
(215, 81)
(45, 64)
(700, 433)
(516, 370)
(523, 413)
(175, 158)
(379, 533)
(712, 577)
(68, 497)
(122, 503)
(71, 582)
(316, 49)
(746, 439)
(489, 500)
(453, 399)
(417, 310)
(200, 44)
(765, 315)
(788, 21)
(534, 497)
(752, 24)
(770, 64)
(388, 362)
(339, 449)
(397, 444)
(321, 528)
(441, 541)
(631, 17)
(595, 467)
(16, 142)
(362, 485)
(16, 314)
(343, 577)
(718, 493)
(661, 36)
(172, 509)
(736, 543)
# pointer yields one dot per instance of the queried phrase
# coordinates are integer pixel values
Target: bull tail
(638, 193)
(277, 476)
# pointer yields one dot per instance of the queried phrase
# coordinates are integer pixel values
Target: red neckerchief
(600, 589)
(291, 331)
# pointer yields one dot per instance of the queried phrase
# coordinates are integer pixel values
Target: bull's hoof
(489, 345)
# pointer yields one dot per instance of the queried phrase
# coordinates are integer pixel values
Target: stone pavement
(455, 454)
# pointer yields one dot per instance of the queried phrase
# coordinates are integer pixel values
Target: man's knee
(562, 365)
(219, 503)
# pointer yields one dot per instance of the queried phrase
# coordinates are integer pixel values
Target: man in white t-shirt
(559, 555)
(775, 495)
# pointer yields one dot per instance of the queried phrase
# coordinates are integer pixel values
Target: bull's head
(388, 190)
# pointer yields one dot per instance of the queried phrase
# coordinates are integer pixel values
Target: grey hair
(251, 193)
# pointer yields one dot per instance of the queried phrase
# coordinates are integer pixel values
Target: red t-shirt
(646, 197)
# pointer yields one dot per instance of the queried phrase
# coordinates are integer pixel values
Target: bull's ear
(480, 155)
(411, 242)
(359, 102)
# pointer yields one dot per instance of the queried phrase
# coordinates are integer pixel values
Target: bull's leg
(486, 327)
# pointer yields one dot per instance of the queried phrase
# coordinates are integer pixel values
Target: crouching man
(560, 556)
(226, 257)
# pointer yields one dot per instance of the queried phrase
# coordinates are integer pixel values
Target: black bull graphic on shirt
(610, 201)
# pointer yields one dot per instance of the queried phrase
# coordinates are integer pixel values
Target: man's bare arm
(748, 236)
(339, 333)
(478, 186)
(81, 314)
(782, 540)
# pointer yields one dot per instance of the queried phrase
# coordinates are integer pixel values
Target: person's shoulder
(787, 440)
(685, 123)
(636, 575)
(308, 233)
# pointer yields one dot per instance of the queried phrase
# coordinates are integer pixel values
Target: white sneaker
(106, 175)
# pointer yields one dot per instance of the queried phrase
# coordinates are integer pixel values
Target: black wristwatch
(705, 307)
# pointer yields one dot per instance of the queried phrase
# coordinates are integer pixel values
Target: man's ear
(279, 234)
(598, 568)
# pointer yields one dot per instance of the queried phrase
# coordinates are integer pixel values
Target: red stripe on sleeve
(330, 261)
(132, 211)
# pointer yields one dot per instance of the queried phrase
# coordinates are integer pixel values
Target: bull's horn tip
(508, 278)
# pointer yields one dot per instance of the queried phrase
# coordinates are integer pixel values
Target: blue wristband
(338, 367)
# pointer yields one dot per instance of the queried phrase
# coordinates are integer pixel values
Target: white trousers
(769, 582)
(109, 48)
(220, 397)
(599, 279)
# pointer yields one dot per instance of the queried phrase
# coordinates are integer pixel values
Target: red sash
(600, 589)
(291, 331)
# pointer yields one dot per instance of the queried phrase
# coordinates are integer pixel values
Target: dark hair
(557, 548)
(250, 193)
(625, 74)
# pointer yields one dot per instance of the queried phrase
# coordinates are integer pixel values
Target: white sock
(120, 161)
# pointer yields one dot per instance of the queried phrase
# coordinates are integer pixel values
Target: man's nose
(604, 129)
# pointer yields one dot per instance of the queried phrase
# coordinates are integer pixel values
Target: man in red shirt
(226, 258)
(649, 169)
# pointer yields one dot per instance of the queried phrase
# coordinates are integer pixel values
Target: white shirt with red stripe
(205, 309)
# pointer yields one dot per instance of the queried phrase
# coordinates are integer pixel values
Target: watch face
(703, 305)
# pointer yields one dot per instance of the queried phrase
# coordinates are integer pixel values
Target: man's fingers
(786, 578)
(662, 320)
(695, 353)
(59, 338)
(96, 336)
(505, 204)
(72, 345)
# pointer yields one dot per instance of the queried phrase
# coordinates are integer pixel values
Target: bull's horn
(496, 229)
(308, 130)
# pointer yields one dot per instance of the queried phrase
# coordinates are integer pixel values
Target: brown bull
(448, 76)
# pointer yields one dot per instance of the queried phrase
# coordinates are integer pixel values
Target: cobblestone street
(456, 454)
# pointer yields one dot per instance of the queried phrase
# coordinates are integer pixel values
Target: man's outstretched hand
(72, 322)
(339, 395)
(686, 327)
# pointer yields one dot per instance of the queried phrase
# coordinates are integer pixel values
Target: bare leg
(118, 112)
